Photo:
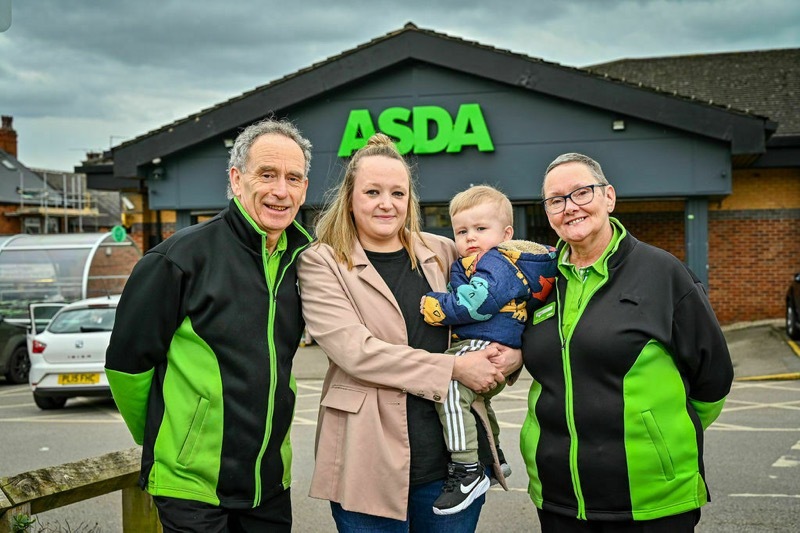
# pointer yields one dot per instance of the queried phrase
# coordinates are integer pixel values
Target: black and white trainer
(465, 483)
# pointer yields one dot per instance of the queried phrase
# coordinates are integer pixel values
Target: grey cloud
(145, 63)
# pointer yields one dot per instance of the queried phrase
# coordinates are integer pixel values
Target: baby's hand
(431, 310)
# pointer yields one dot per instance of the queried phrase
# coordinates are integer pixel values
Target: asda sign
(413, 129)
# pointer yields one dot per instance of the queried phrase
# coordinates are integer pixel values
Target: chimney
(8, 137)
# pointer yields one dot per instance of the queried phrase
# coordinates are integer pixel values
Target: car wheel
(49, 402)
(792, 330)
(19, 365)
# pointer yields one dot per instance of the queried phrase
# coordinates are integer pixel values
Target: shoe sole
(479, 490)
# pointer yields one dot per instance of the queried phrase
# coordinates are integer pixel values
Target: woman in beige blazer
(380, 455)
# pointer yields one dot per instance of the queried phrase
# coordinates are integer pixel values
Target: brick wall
(108, 263)
(752, 256)
(754, 244)
(753, 241)
(9, 225)
(656, 223)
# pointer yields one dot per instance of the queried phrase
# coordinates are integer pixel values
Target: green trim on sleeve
(707, 411)
(131, 392)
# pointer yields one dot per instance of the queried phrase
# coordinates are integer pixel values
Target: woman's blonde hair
(336, 225)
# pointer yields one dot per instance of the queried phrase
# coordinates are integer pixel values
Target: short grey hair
(573, 157)
(241, 146)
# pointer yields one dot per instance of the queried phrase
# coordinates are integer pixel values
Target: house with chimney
(40, 201)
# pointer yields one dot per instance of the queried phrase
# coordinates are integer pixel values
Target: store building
(468, 113)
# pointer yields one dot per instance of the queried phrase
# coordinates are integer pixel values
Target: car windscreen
(83, 320)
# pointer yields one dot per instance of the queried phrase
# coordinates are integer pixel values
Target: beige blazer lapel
(370, 276)
(431, 268)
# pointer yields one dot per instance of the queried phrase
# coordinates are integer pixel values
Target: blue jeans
(421, 518)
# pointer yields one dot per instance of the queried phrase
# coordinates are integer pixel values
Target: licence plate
(78, 379)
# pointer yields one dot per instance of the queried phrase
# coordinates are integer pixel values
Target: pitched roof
(745, 131)
(764, 82)
(16, 178)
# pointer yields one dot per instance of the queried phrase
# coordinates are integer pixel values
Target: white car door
(40, 316)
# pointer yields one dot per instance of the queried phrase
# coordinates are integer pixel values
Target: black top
(429, 455)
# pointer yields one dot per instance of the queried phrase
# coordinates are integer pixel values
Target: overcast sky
(83, 75)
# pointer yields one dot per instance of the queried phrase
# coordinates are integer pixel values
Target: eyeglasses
(580, 196)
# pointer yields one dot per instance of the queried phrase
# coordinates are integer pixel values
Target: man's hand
(476, 371)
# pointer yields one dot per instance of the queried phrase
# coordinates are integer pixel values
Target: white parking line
(743, 405)
(39, 420)
(748, 495)
(27, 404)
(514, 410)
(786, 461)
(722, 426)
(310, 384)
(300, 421)
(15, 391)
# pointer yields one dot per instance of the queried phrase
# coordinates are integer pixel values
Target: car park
(68, 355)
(792, 309)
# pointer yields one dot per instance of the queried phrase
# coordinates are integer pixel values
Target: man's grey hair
(572, 157)
(241, 146)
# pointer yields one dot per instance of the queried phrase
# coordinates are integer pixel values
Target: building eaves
(746, 132)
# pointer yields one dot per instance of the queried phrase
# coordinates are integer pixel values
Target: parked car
(68, 355)
(792, 309)
(14, 363)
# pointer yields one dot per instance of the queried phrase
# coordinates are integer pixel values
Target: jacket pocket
(660, 444)
(195, 428)
(344, 398)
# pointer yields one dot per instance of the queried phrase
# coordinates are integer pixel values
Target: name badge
(544, 313)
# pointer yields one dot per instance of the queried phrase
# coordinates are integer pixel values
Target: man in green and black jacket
(200, 357)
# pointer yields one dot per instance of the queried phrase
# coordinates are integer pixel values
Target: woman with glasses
(629, 366)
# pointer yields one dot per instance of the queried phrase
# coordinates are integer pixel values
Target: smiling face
(478, 229)
(380, 202)
(585, 228)
(273, 185)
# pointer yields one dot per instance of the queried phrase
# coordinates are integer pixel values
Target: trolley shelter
(61, 268)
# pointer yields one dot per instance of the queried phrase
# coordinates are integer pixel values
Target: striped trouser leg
(458, 422)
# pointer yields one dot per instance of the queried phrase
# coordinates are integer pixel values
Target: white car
(68, 355)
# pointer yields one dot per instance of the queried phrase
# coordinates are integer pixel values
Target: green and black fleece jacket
(628, 370)
(200, 361)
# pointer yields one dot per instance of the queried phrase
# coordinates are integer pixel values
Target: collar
(248, 232)
(601, 265)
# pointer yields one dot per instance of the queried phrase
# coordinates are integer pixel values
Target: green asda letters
(412, 127)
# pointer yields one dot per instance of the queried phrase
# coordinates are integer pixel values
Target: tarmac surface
(762, 357)
(752, 447)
